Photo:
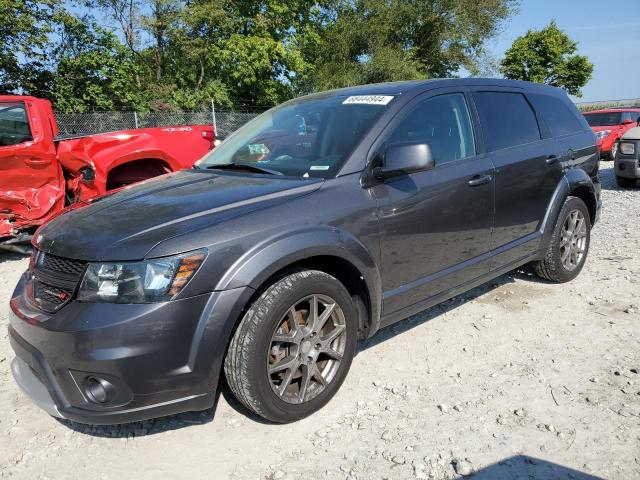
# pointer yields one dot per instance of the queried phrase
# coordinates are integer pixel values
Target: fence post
(135, 119)
(213, 118)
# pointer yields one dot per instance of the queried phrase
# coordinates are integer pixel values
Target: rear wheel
(625, 182)
(294, 346)
(569, 244)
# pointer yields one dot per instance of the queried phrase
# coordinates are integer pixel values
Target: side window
(556, 114)
(634, 116)
(442, 122)
(507, 119)
(14, 124)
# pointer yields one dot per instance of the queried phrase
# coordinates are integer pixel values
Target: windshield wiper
(241, 166)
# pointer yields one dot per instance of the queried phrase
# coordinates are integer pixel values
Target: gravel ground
(516, 379)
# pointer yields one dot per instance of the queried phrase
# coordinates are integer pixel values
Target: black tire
(551, 266)
(246, 361)
(625, 182)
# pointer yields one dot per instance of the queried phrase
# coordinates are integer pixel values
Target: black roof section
(414, 86)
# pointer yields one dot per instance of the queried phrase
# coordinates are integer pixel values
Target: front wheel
(294, 346)
(625, 182)
(569, 244)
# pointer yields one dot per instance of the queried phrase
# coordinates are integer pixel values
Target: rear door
(572, 135)
(30, 177)
(528, 169)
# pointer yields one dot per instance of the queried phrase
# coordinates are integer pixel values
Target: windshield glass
(304, 138)
(604, 119)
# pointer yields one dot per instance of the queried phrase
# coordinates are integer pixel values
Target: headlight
(149, 281)
(603, 133)
(628, 148)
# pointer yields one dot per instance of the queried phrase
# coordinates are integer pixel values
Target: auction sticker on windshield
(368, 99)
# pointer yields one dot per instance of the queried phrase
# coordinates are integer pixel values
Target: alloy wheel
(306, 348)
(573, 240)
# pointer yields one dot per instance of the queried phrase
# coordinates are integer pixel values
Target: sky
(607, 32)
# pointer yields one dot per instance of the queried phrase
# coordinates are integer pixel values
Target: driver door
(435, 225)
(30, 176)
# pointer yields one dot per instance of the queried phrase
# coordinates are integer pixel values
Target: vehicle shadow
(10, 256)
(145, 427)
(523, 466)
(429, 314)
(384, 334)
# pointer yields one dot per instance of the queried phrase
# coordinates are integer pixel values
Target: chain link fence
(99, 122)
(590, 106)
(227, 121)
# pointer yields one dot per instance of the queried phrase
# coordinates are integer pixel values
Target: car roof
(613, 110)
(414, 86)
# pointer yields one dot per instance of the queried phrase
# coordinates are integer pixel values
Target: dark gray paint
(415, 241)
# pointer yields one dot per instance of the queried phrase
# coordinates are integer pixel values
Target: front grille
(55, 280)
(62, 265)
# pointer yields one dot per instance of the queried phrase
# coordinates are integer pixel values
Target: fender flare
(572, 180)
(260, 263)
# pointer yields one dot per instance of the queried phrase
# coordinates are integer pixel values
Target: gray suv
(314, 225)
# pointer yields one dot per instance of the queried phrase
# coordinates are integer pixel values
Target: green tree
(94, 69)
(25, 58)
(365, 41)
(548, 56)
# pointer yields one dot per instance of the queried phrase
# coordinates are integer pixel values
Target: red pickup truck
(41, 172)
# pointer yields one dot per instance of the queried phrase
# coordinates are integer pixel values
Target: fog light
(622, 166)
(98, 390)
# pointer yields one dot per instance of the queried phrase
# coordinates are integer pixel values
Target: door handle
(551, 159)
(479, 180)
(37, 163)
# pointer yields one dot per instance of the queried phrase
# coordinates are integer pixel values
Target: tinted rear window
(559, 118)
(507, 119)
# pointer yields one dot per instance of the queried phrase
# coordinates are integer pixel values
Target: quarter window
(634, 116)
(442, 122)
(558, 117)
(14, 124)
(507, 119)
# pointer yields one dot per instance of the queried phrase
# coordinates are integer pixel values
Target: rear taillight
(598, 144)
(209, 135)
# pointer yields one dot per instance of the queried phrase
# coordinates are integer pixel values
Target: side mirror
(403, 159)
(627, 121)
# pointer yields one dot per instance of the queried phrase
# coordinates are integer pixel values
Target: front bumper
(627, 167)
(161, 358)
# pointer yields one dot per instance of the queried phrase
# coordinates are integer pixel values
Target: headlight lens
(628, 148)
(149, 281)
(603, 133)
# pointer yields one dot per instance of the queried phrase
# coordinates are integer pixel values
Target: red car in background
(609, 125)
(41, 173)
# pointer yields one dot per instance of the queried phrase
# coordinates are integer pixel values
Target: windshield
(604, 119)
(304, 138)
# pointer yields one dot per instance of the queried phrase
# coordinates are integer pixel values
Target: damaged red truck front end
(42, 172)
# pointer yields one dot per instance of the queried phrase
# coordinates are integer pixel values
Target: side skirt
(441, 297)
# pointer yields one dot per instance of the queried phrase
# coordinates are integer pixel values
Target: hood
(127, 224)
(632, 134)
